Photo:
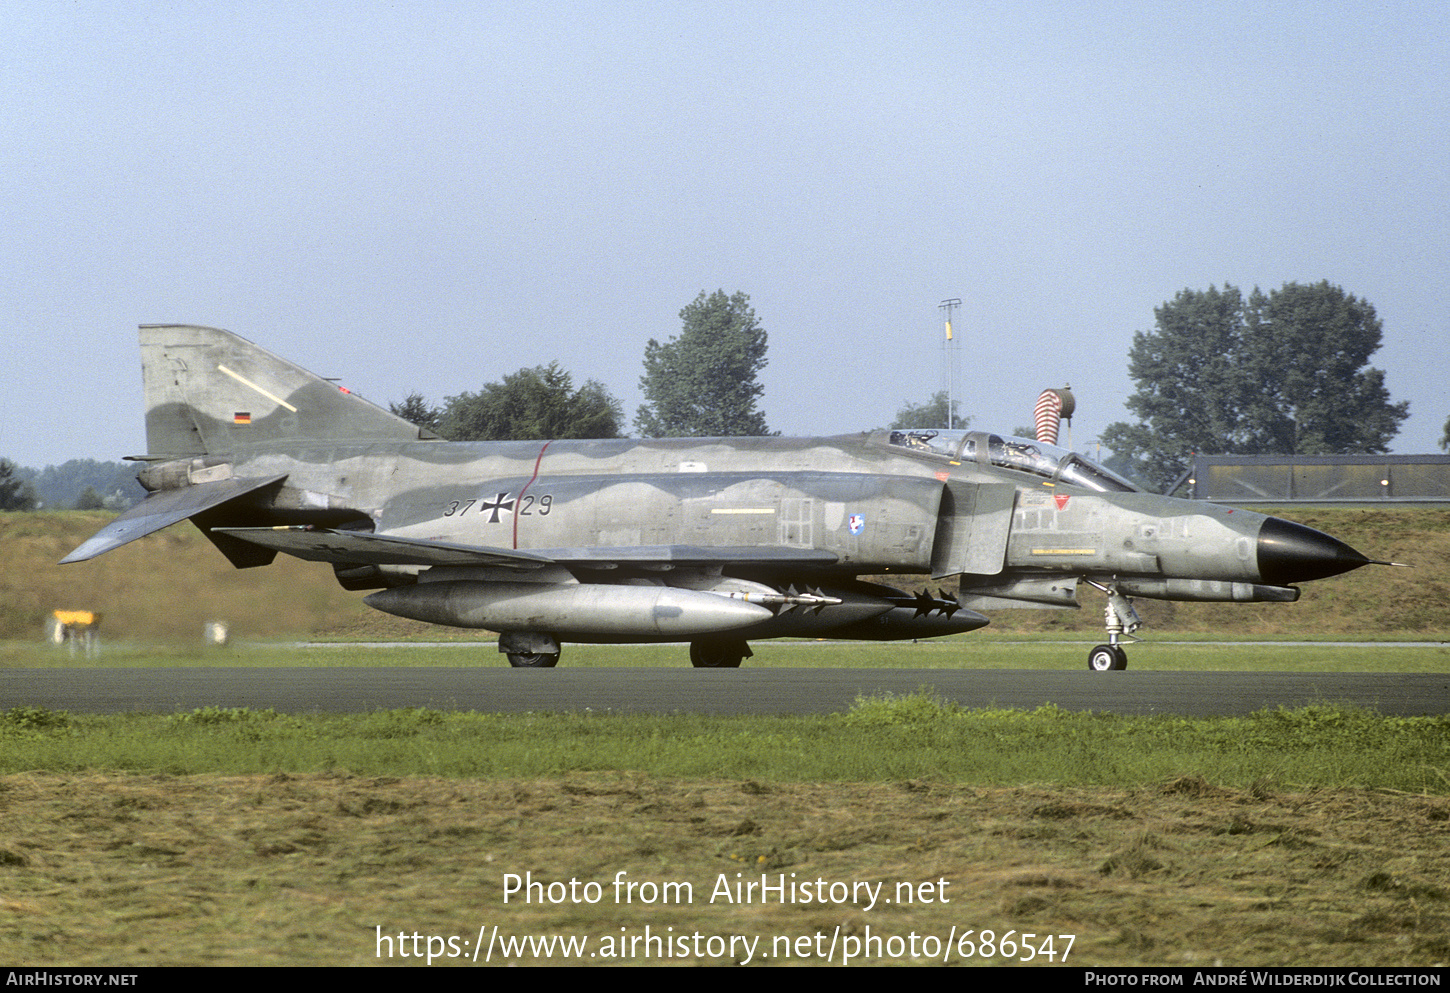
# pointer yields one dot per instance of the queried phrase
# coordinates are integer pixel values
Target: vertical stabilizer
(211, 391)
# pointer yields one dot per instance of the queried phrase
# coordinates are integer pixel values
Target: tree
(15, 492)
(1445, 437)
(1310, 347)
(63, 485)
(90, 500)
(932, 414)
(532, 404)
(1187, 389)
(1276, 374)
(703, 383)
(415, 408)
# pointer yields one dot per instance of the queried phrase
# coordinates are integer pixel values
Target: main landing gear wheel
(1106, 658)
(718, 654)
(533, 660)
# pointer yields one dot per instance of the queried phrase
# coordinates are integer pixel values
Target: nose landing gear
(1120, 619)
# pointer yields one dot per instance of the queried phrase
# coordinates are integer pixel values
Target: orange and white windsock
(1052, 406)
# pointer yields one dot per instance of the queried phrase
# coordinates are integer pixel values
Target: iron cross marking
(501, 503)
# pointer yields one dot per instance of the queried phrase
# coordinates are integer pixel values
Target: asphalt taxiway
(705, 691)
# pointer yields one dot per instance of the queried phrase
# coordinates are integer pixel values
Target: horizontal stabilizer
(163, 509)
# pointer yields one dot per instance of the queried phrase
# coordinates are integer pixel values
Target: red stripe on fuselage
(519, 506)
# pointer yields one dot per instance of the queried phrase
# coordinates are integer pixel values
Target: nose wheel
(1105, 658)
(1120, 619)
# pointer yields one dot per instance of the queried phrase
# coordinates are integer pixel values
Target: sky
(426, 196)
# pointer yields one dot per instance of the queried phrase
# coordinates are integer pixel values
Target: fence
(1322, 479)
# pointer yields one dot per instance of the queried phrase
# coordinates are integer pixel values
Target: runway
(705, 691)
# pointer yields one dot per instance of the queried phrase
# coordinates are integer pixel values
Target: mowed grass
(285, 869)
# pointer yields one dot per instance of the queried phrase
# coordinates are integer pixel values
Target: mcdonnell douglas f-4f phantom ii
(714, 541)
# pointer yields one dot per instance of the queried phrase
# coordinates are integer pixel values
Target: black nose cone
(1290, 553)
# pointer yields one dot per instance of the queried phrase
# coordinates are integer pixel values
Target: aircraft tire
(1105, 658)
(718, 654)
(533, 660)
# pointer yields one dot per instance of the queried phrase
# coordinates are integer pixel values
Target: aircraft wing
(165, 508)
(363, 547)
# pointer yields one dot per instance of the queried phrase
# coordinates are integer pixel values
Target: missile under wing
(714, 541)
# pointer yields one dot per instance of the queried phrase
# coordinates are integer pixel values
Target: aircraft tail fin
(210, 391)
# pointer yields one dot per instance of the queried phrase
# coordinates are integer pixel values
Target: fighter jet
(712, 541)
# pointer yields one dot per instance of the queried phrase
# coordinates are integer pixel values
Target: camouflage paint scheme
(713, 541)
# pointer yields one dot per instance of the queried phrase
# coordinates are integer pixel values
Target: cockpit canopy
(1034, 457)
